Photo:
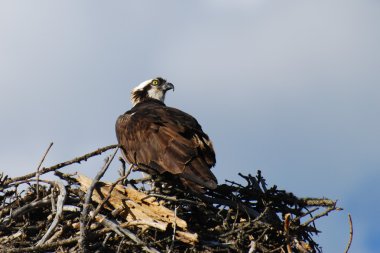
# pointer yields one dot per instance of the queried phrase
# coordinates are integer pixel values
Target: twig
(148, 223)
(124, 232)
(108, 235)
(174, 229)
(233, 204)
(252, 245)
(317, 202)
(246, 225)
(119, 247)
(174, 199)
(126, 174)
(60, 201)
(27, 181)
(28, 207)
(122, 169)
(44, 247)
(18, 234)
(27, 198)
(286, 230)
(55, 236)
(309, 212)
(53, 204)
(71, 208)
(61, 165)
(140, 180)
(351, 234)
(326, 212)
(87, 199)
(38, 170)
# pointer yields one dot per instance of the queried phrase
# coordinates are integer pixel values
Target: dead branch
(124, 232)
(84, 219)
(61, 165)
(326, 212)
(44, 247)
(351, 234)
(31, 206)
(60, 202)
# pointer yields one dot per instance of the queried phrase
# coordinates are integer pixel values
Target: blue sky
(288, 87)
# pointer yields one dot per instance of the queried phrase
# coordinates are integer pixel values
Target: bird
(158, 139)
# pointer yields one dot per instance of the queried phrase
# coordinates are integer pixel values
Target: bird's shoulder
(156, 112)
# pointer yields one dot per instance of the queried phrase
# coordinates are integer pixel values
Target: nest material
(78, 214)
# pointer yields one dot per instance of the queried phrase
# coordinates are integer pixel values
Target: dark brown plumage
(161, 139)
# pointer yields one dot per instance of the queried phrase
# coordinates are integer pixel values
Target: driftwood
(77, 214)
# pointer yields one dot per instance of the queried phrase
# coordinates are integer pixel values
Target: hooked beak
(168, 86)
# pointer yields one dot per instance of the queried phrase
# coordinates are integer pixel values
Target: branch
(351, 234)
(87, 199)
(60, 201)
(325, 213)
(44, 247)
(233, 204)
(317, 202)
(38, 170)
(174, 230)
(286, 230)
(61, 165)
(29, 207)
(175, 199)
(124, 232)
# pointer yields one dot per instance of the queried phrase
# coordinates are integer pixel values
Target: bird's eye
(155, 82)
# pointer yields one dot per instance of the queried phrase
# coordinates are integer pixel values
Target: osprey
(158, 139)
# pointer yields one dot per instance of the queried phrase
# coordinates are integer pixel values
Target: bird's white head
(154, 88)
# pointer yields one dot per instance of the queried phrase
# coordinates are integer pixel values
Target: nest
(156, 214)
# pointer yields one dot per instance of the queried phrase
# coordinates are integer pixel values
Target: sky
(288, 87)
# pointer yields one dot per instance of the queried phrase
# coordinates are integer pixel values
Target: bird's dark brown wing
(167, 140)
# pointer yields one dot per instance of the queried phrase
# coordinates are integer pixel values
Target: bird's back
(162, 139)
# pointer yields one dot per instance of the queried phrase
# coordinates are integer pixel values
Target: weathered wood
(138, 208)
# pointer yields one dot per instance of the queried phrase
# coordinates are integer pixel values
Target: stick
(252, 247)
(60, 201)
(38, 170)
(286, 230)
(11, 237)
(351, 234)
(71, 208)
(87, 199)
(28, 198)
(44, 247)
(174, 199)
(55, 236)
(61, 165)
(233, 204)
(28, 207)
(317, 202)
(122, 169)
(246, 225)
(174, 229)
(124, 232)
(326, 212)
